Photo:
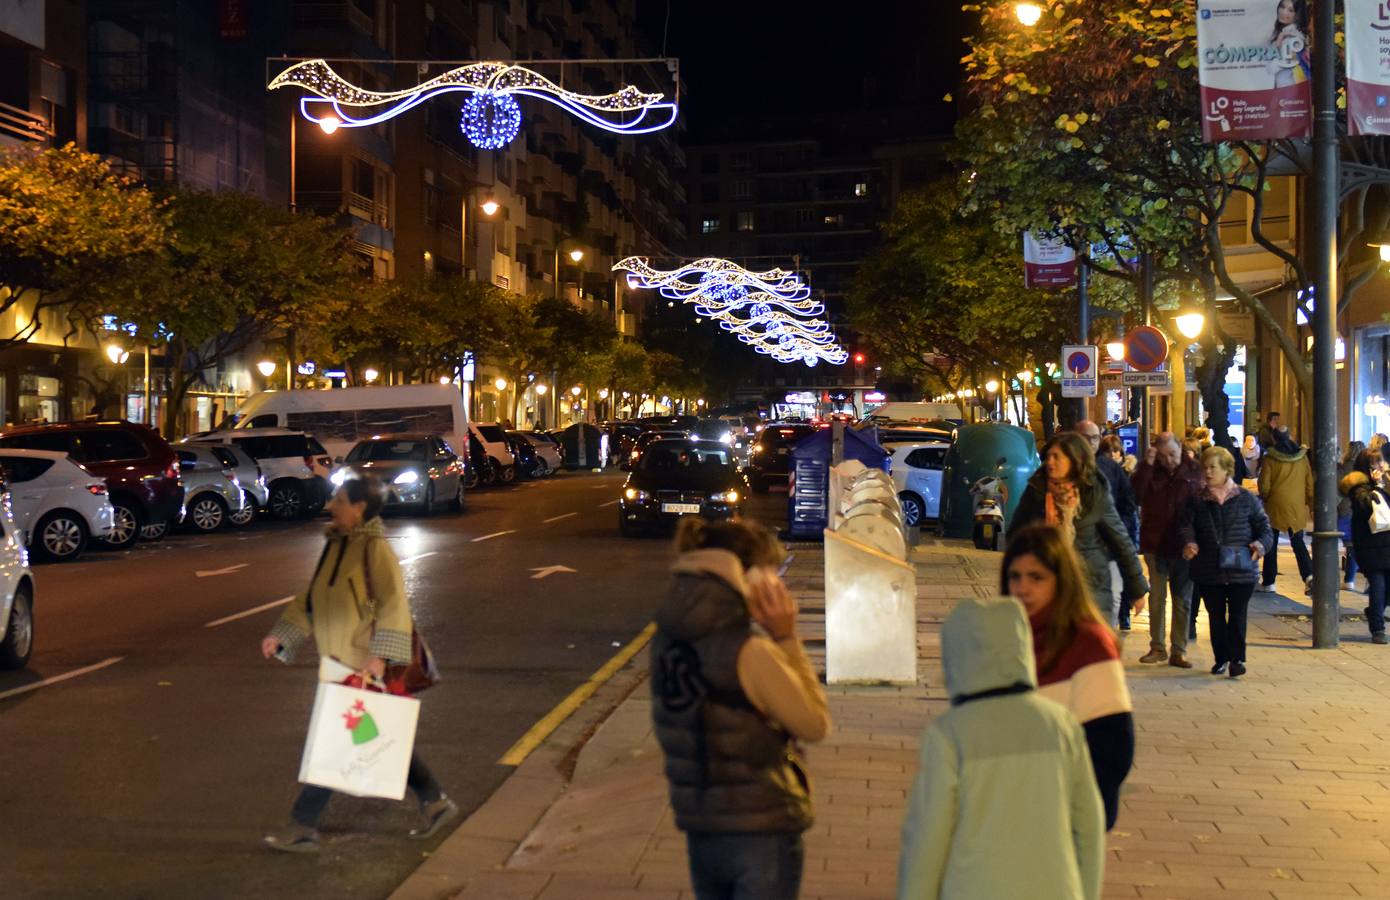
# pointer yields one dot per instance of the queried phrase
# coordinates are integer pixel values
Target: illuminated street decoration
(491, 118)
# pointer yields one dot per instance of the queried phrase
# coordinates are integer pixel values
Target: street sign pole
(1083, 299)
(1146, 297)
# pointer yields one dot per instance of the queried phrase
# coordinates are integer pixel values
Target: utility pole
(1323, 191)
(1146, 298)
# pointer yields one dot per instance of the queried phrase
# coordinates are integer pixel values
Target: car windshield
(683, 458)
(389, 451)
(492, 433)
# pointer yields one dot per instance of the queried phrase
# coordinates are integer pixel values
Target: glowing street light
(1028, 13)
(541, 389)
(445, 379)
(603, 394)
(1116, 349)
(117, 354)
(500, 383)
(490, 207)
(370, 375)
(329, 124)
(1025, 377)
(576, 255)
(576, 391)
(992, 386)
(266, 367)
(1190, 324)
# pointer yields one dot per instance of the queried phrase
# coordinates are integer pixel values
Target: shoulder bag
(1232, 559)
(421, 673)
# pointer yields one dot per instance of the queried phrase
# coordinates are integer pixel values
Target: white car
(917, 469)
(546, 451)
(16, 596)
(494, 441)
(58, 504)
(295, 466)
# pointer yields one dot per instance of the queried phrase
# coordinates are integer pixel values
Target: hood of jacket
(1351, 481)
(986, 645)
(1287, 456)
(707, 594)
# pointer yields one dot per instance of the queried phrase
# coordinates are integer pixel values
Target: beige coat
(351, 617)
(1286, 488)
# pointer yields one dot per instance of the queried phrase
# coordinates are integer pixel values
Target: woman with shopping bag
(356, 611)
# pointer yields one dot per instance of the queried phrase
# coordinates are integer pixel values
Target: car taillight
(97, 489)
(172, 472)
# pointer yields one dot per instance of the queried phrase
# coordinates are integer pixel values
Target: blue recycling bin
(1005, 451)
(808, 509)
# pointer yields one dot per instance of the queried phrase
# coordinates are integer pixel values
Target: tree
(68, 223)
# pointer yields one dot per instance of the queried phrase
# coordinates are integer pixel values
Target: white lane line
(208, 573)
(15, 692)
(488, 537)
(558, 518)
(248, 612)
(419, 556)
(609, 503)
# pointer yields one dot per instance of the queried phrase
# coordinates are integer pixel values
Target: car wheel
(19, 635)
(247, 513)
(506, 474)
(60, 536)
(913, 510)
(470, 477)
(457, 503)
(427, 505)
(125, 527)
(155, 531)
(208, 512)
(286, 500)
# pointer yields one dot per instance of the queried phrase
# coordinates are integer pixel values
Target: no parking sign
(1078, 370)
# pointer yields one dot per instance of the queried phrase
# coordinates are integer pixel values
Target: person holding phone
(733, 695)
(1224, 531)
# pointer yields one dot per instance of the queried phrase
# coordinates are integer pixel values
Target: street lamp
(1025, 378)
(603, 393)
(370, 375)
(117, 354)
(1116, 349)
(540, 390)
(576, 391)
(992, 386)
(266, 367)
(1190, 324)
(500, 383)
(490, 207)
(329, 124)
(576, 255)
(1028, 13)
(445, 379)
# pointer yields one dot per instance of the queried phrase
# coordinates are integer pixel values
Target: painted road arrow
(547, 571)
(208, 573)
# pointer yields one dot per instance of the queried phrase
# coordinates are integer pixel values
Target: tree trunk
(1047, 398)
(1211, 382)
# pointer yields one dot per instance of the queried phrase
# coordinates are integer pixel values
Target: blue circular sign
(1146, 348)
(1079, 363)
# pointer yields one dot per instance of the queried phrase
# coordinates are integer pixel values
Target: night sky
(761, 58)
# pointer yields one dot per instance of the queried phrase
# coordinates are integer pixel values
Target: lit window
(835, 220)
(745, 220)
(861, 189)
(709, 226)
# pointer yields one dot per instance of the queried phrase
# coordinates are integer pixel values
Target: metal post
(1323, 187)
(557, 271)
(149, 413)
(1146, 298)
(294, 134)
(1083, 302)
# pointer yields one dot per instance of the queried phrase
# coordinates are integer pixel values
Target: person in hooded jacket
(1004, 803)
(1372, 549)
(731, 703)
(1286, 488)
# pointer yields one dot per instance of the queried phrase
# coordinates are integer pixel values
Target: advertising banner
(1253, 59)
(1047, 262)
(1368, 66)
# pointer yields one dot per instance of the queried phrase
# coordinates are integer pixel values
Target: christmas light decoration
(491, 117)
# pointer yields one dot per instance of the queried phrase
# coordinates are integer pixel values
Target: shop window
(38, 399)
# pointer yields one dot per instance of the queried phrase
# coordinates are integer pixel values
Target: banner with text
(1253, 59)
(1047, 262)
(1368, 66)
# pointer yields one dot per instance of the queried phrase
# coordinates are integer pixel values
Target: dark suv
(769, 460)
(140, 468)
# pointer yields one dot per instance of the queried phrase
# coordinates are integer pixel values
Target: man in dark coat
(1164, 482)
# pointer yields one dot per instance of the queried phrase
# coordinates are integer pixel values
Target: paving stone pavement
(1269, 786)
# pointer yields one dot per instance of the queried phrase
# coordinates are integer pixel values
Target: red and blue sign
(1146, 348)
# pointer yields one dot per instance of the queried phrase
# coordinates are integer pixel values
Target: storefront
(1370, 393)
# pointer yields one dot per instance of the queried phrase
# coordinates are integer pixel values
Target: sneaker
(293, 838)
(434, 817)
(1179, 661)
(1153, 656)
(1218, 669)
(1348, 585)
(1124, 626)
(1379, 637)
(1237, 669)
(1266, 588)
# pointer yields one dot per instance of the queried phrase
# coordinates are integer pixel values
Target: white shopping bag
(359, 742)
(1380, 513)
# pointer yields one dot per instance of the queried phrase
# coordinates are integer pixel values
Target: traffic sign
(1079, 370)
(1146, 348)
(1145, 379)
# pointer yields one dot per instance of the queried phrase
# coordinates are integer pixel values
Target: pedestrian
(1069, 493)
(1270, 430)
(1224, 532)
(1286, 487)
(1164, 482)
(1108, 464)
(1372, 548)
(731, 705)
(1345, 468)
(356, 611)
(1250, 452)
(1000, 750)
(1077, 658)
(1378, 441)
(1192, 449)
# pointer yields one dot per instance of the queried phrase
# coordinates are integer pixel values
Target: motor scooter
(991, 495)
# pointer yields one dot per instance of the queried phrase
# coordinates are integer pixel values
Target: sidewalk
(1265, 787)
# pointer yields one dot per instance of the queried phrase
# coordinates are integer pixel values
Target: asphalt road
(156, 775)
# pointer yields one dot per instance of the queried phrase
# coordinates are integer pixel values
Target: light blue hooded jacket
(1005, 802)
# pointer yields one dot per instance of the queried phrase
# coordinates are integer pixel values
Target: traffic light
(859, 359)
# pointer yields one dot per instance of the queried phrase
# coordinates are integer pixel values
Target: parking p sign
(1079, 370)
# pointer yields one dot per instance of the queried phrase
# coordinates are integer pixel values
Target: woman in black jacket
(1224, 532)
(1371, 549)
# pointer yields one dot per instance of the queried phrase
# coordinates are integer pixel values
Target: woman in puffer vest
(732, 695)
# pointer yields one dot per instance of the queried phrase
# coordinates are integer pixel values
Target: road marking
(609, 503)
(419, 556)
(558, 518)
(15, 692)
(566, 707)
(547, 571)
(488, 537)
(249, 612)
(208, 573)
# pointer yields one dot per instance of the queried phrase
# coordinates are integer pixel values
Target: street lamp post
(576, 255)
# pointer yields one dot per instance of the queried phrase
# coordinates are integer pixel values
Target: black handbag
(1233, 559)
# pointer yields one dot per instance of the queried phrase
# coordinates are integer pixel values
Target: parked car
(295, 465)
(918, 467)
(16, 596)
(769, 459)
(255, 493)
(524, 458)
(212, 492)
(548, 449)
(645, 440)
(58, 504)
(496, 452)
(420, 471)
(139, 467)
(680, 478)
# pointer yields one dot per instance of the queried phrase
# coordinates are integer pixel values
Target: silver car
(212, 492)
(249, 476)
(420, 471)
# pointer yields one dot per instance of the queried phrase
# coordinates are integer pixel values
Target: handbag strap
(1211, 517)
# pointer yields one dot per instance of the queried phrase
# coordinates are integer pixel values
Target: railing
(24, 125)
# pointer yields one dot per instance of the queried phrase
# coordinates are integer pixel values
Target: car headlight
(725, 497)
(726, 438)
(633, 493)
(338, 477)
(409, 476)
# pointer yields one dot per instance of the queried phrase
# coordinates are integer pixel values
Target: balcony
(23, 125)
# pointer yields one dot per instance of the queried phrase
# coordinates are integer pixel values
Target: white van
(340, 418)
(898, 411)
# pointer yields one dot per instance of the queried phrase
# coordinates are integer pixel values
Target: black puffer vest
(728, 767)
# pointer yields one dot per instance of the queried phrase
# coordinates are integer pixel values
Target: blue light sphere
(490, 121)
(760, 311)
(722, 287)
(811, 360)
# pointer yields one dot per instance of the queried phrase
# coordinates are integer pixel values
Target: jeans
(1168, 576)
(312, 800)
(1227, 605)
(1300, 555)
(745, 866)
(1376, 581)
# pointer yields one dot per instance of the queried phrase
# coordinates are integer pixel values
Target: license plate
(681, 509)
